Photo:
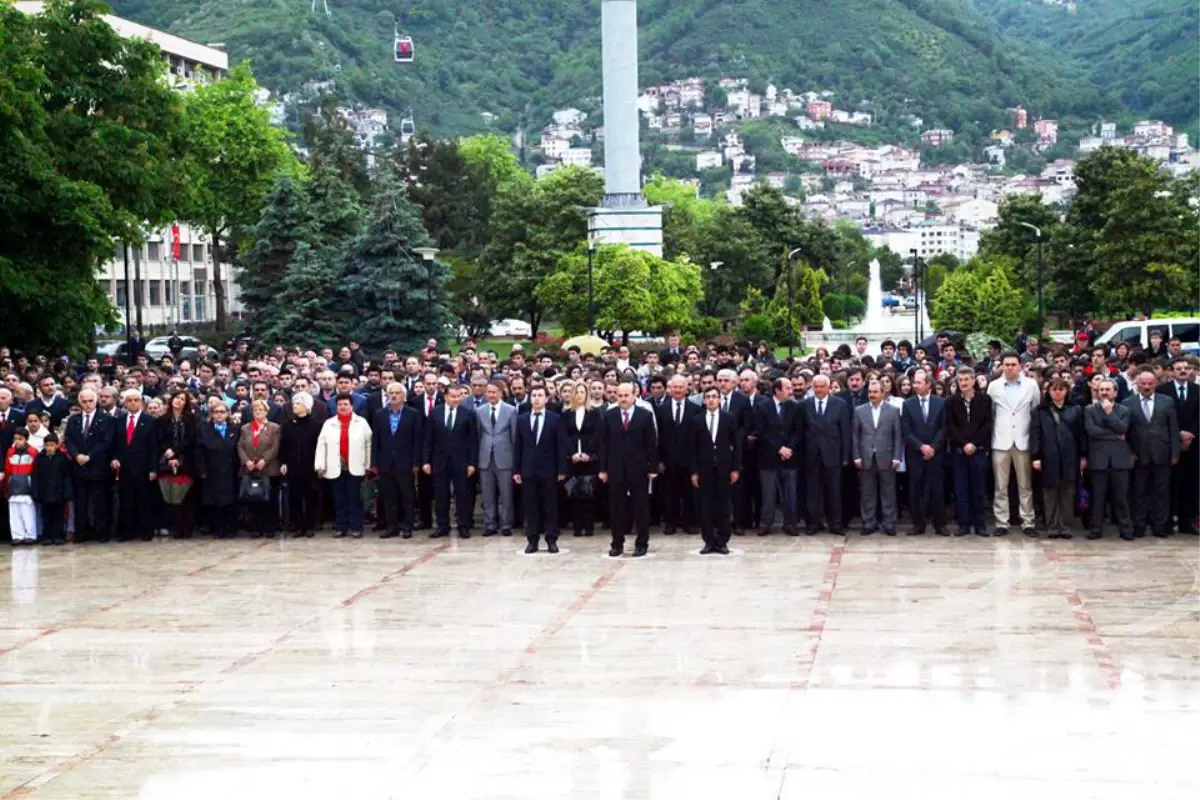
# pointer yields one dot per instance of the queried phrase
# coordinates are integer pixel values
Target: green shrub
(703, 328)
(855, 307)
(839, 324)
(757, 326)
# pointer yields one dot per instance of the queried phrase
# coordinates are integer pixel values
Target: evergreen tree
(336, 210)
(386, 286)
(285, 223)
(305, 314)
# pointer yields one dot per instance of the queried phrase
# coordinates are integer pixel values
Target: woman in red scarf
(343, 455)
(258, 452)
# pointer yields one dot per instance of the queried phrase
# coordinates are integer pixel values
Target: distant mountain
(1145, 51)
(942, 60)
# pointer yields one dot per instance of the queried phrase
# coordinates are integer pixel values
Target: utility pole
(1041, 318)
(128, 310)
(791, 302)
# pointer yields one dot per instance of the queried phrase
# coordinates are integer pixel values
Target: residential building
(1046, 130)
(569, 117)
(708, 159)
(1152, 127)
(806, 124)
(1090, 144)
(1108, 131)
(1019, 118)
(819, 109)
(937, 136)
(576, 157)
(702, 126)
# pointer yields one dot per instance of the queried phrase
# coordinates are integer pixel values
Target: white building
(928, 240)
(708, 159)
(169, 291)
(702, 126)
(576, 157)
(572, 117)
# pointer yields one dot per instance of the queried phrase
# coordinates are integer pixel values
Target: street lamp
(712, 271)
(916, 295)
(1041, 308)
(791, 304)
(428, 254)
(591, 301)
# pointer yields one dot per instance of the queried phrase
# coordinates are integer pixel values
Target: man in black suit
(747, 495)
(675, 417)
(134, 462)
(1185, 475)
(825, 420)
(376, 390)
(1154, 437)
(451, 448)
(628, 446)
(924, 425)
(426, 401)
(716, 460)
(777, 436)
(672, 352)
(397, 435)
(1110, 458)
(49, 401)
(89, 442)
(855, 395)
(540, 462)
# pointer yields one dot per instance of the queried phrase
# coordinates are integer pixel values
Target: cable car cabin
(404, 50)
(407, 128)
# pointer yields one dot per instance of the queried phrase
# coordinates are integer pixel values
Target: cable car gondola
(407, 127)
(404, 51)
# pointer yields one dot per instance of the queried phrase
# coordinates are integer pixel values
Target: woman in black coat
(1058, 447)
(582, 425)
(175, 442)
(217, 468)
(297, 452)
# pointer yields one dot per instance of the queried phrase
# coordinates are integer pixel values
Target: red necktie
(429, 413)
(625, 420)
(129, 432)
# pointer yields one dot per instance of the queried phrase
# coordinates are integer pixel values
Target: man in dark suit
(134, 462)
(1154, 437)
(628, 449)
(540, 461)
(675, 417)
(776, 428)
(855, 395)
(451, 447)
(397, 434)
(49, 401)
(924, 426)
(1110, 458)
(825, 421)
(89, 442)
(426, 401)
(737, 405)
(716, 460)
(672, 352)
(1185, 475)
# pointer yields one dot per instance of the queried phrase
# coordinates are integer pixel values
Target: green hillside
(1146, 51)
(939, 59)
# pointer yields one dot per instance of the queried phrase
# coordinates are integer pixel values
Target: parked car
(159, 346)
(910, 301)
(890, 301)
(1186, 328)
(511, 328)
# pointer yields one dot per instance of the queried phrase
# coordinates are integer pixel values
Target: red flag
(175, 242)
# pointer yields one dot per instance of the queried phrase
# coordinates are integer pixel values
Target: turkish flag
(175, 242)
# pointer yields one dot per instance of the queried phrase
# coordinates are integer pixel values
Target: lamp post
(916, 295)
(128, 310)
(428, 254)
(591, 299)
(791, 303)
(712, 276)
(1041, 318)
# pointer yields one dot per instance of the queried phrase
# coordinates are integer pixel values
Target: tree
(1012, 239)
(451, 193)
(806, 308)
(330, 141)
(234, 156)
(394, 298)
(308, 304)
(634, 290)
(532, 228)
(982, 296)
(285, 223)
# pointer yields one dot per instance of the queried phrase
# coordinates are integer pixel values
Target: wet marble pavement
(805, 667)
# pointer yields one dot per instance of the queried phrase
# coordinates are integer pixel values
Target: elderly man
(1154, 437)
(628, 446)
(1110, 458)
(397, 450)
(675, 417)
(497, 423)
(134, 461)
(89, 440)
(825, 420)
(877, 443)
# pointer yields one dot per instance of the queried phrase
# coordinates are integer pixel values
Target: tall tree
(1011, 237)
(286, 222)
(234, 157)
(330, 141)
(308, 310)
(396, 298)
(450, 192)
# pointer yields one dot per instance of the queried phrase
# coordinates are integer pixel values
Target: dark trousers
(629, 507)
(927, 489)
(679, 509)
(183, 515)
(1152, 497)
(1059, 503)
(1185, 500)
(823, 497)
(970, 489)
(262, 518)
(777, 484)
(1110, 484)
(224, 521)
(136, 496)
(444, 480)
(399, 497)
(53, 521)
(850, 501)
(541, 508)
(302, 493)
(93, 501)
(424, 501)
(746, 497)
(347, 503)
(715, 495)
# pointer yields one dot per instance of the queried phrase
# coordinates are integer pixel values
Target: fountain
(877, 320)
(826, 326)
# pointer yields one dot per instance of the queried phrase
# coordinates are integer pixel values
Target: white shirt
(1147, 402)
(876, 410)
(1181, 390)
(712, 426)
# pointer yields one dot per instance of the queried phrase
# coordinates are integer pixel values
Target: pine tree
(386, 286)
(306, 304)
(285, 223)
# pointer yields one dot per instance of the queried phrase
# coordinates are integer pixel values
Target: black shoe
(1129, 537)
(1031, 532)
(1065, 535)
(506, 532)
(337, 535)
(297, 534)
(790, 531)
(309, 534)
(962, 531)
(917, 531)
(439, 534)
(722, 550)
(388, 535)
(812, 531)
(708, 549)
(379, 526)
(577, 534)
(765, 532)
(1093, 535)
(531, 548)
(638, 552)
(889, 531)
(464, 534)
(489, 533)
(1000, 531)
(1163, 535)
(868, 531)
(668, 531)
(983, 532)
(615, 552)
(406, 535)
(356, 534)
(941, 531)
(551, 547)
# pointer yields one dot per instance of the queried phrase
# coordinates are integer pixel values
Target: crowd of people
(717, 440)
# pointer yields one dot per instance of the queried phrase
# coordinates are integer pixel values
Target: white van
(1186, 328)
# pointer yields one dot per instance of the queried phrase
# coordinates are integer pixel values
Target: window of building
(120, 294)
(156, 293)
(154, 250)
(198, 253)
(169, 291)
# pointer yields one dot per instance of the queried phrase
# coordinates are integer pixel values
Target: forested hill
(939, 59)
(1147, 51)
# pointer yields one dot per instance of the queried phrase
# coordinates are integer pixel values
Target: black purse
(255, 489)
(581, 487)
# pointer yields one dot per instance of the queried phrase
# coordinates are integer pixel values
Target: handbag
(581, 487)
(1082, 500)
(255, 489)
(174, 490)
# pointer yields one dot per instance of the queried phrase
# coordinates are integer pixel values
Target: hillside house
(708, 159)
(937, 137)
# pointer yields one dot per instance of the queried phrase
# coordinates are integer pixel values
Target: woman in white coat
(343, 455)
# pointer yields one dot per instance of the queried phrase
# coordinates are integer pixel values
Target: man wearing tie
(924, 429)
(426, 402)
(396, 453)
(451, 446)
(133, 463)
(825, 420)
(777, 437)
(1109, 459)
(497, 423)
(716, 458)
(675, 417)
(628, 446)
(540, 458)
(876, 444)
(1154, 438)
(89, 441)
(1185, 475)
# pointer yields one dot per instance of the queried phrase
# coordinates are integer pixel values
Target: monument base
(639, 228)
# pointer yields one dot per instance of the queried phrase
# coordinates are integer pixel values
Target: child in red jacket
(18, 477)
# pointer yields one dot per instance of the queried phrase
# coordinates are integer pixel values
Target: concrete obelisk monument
(623, 217)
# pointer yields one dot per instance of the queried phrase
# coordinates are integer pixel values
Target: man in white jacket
(343, 456)
(1013, 400)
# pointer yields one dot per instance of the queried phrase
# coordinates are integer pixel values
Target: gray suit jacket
(1107, 437)
(1154, 442)
(879, 446)
(496, 445)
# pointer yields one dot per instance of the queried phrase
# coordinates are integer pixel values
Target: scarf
(344, 440)
(255, 427)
